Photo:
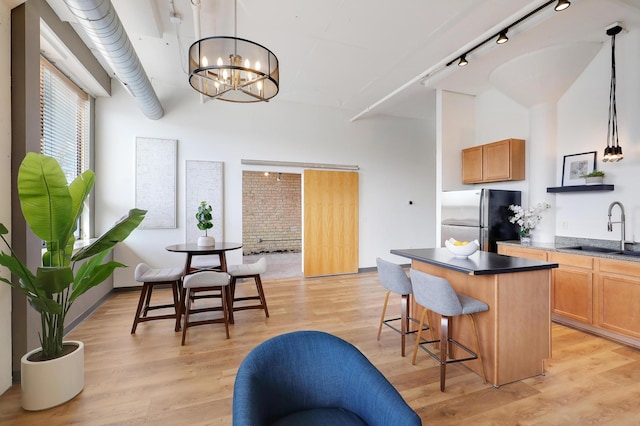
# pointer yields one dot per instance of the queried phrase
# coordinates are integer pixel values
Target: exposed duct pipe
(102, 24)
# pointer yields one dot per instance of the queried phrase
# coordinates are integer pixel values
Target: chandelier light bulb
(205, 61)
(247, 64)
(219, 62)
(225, 75)
(257, 67)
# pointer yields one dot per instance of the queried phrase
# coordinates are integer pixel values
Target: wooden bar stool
(206, 281)
(395, 280)
(250, 270)
(151, 277)
(436, 294)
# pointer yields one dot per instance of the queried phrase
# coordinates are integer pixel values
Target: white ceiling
(359, 54)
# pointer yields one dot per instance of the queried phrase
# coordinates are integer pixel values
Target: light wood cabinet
(617, 296)
(494, 162)
(572, 286)
(527, 253)
(594, 294)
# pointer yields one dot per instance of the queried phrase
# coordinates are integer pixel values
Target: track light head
(463, 61)
(502, 37)
(562, 5)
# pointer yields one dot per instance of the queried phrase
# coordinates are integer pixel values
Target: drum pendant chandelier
(233, 69)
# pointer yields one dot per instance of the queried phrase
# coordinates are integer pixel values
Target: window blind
(64, 119)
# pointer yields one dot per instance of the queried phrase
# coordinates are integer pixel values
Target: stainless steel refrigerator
(481, 214)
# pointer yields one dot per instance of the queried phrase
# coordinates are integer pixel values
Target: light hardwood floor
(148, 378)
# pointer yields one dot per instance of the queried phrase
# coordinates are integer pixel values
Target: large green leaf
(59, 253)
(52, 280)
(92, 273)
(118, 233)
(18, 269)
(44, 196)
(44, 305)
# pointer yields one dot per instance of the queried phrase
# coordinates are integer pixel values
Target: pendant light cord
(612, 128)
(613, 111)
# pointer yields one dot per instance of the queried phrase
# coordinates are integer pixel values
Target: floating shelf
(581, 188)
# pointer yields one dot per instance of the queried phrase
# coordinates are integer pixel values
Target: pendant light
(613, 151)
(233, 69)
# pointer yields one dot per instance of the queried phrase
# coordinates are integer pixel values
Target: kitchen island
(515, 333)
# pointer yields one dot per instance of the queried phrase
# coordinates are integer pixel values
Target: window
(64, 129)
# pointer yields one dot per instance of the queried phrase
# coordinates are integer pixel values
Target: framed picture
(577, 165)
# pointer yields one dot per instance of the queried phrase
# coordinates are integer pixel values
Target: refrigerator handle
(483, 208)
(484, 239)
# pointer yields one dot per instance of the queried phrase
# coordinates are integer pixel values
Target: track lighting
(502, 37)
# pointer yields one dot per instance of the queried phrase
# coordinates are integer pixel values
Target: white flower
(527, 219)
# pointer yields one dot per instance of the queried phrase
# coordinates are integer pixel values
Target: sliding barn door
(330, 221)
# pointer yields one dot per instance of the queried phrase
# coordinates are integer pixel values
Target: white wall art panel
(204, 182)
(156, 181)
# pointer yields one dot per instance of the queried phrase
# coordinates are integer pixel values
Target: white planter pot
(594, 180)
(46, 384)
(206, 241)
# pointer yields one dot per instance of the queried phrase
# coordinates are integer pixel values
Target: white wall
(5, 188)
(396, 159)
(457, 118)
(582, 127)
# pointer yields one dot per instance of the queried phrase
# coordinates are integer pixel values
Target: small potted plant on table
(205, 222)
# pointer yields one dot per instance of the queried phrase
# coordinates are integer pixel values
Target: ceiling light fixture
(613, 151)
(502, 35)
(233, 69)
(562, 5)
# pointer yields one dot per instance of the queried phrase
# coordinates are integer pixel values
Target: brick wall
(271, 213)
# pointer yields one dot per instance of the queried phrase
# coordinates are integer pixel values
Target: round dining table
(192, 249)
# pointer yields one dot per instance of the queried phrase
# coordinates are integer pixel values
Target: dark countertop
(479, 263)
(564, 247)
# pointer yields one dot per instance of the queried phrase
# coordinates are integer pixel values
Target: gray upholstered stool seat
(151, 277)
(436, 294)
(249, 270)
(395, 280)
(206, 281)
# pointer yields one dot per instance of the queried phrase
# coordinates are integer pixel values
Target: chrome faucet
(610, 224)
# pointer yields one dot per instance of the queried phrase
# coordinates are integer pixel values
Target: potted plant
(205, 222)
(593, 178)
(54, 373)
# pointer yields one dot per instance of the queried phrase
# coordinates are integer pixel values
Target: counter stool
(436, 294)
(151, 277)
(394, 279)
(206, 281)
(248, 270)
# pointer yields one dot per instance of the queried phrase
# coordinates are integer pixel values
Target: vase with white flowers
(527, 219)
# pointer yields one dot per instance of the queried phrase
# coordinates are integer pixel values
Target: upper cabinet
(494, 162)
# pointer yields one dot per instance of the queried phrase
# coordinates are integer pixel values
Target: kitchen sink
(595, 249)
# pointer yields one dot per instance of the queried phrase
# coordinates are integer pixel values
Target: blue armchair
(314, 378)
